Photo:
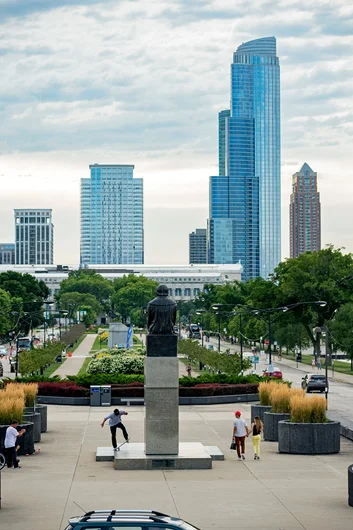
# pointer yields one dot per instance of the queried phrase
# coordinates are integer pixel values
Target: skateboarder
(116, 423)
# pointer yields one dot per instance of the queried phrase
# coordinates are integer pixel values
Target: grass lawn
(97, 345)
(339, 366)
(137, 341)
(83, 369)
(54, 366)
(195, 366)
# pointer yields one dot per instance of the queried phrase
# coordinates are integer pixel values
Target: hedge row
(69, 389)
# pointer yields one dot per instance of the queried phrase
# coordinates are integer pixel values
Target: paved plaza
(278, 492)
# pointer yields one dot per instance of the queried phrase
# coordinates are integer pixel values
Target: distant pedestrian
(11, 443)
(240, 431)
(115, 423)
(319, 363)
(188, 369)
(313, 362)
(257, 428)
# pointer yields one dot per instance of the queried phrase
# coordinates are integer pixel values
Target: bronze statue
(161, 313)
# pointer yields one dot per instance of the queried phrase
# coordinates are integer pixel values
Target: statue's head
(162, 290)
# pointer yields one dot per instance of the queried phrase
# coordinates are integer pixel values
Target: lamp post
(217, 308)
(282, 309)
(201, 312)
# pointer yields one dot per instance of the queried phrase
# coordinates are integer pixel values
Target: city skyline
(143, 84)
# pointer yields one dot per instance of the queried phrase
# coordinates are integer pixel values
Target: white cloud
(137, 82)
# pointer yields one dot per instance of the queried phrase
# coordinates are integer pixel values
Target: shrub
(308, 410)
(11, 408)
(121, 364)
(217, 390)
(105, 379)
(64, 389)
(280, 399)
(265, 391)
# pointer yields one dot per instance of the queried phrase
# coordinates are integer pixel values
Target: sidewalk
(73, 364)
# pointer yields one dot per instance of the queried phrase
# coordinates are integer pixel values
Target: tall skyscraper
(112, 216)
(245, 199)
(304, 213)
(198, 246)
(7, 253)
(34, 234)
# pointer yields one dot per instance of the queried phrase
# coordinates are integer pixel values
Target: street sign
(255, 359)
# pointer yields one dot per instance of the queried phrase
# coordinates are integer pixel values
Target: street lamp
(217, 308)
(283, 309)
(201, 313)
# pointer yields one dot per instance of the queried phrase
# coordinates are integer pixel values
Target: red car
(276, 372)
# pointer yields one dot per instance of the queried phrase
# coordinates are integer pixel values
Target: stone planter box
(259, 410)
(271, 420)
(309, 438)
(43, 411)
(35, 418)
(26, 442)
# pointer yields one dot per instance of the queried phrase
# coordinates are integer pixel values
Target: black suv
(316, 382)
(128, 520)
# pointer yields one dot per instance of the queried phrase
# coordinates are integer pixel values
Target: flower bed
(65, 388)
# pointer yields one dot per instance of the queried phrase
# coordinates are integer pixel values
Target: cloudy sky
(141, 82)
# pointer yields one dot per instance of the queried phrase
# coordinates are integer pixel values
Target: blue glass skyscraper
(112, 216)
(247, 192)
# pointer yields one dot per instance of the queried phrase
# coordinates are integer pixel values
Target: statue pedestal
(162, 395)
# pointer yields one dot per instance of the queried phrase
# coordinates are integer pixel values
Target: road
(340, 396)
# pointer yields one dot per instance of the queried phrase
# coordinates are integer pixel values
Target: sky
(137, 82)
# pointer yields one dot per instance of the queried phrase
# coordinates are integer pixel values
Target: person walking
(116, 423)
(257, 428)
(11, 442)
(188, 369)
(240, 431)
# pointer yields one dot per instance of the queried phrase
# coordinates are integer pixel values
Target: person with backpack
(257, 428)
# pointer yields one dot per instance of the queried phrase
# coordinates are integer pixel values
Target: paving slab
(288, 492)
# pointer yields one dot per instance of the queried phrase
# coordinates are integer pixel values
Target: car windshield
(317, 377)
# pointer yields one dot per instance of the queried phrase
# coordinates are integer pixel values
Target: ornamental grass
(31, 392)
(265, 392)
(14, 390)
(308, 410)
(280, 399)
(11, 408)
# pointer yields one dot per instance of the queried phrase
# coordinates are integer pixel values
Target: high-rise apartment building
(7, 253)
(245, 201)
(304, 213)
(112, 216)
(34, 234)
(198, 246)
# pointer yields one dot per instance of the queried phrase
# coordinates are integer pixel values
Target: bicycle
(2, 460)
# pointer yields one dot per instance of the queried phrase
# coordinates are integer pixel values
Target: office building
(7, 253)
(245, 202)
(34, 234)
(304, 213)
(184, 282)
(198, 246)
(112, 216)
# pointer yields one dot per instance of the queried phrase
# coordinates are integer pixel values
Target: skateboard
(118, 448)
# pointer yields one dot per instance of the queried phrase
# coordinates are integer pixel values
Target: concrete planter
(350, 486)
(309, 438)
(259, 410)
(26, 442)
(43, 411)
(35, 418)
(271, 420)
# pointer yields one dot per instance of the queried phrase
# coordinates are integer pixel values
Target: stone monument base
(132, 457)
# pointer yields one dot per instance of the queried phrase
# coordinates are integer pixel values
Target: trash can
(106, 395)
(95, 396)
(350, 486)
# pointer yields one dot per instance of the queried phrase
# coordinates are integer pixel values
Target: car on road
(132, 519)
(276, 372)
(316, 383)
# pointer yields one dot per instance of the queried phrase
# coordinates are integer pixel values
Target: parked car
(276, 372)
(3, 351)
(316, 383)
(134, 519)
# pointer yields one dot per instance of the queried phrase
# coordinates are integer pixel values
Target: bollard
(350, 486)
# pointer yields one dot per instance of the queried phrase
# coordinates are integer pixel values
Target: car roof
(124, 516)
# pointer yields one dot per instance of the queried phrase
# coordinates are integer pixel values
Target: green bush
(106, 379)
(140, 350)
(117, 364)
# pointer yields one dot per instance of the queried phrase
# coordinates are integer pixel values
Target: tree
(325, 275)
(88, 282)
(6, 319)
(131, 296)
(341, 330)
